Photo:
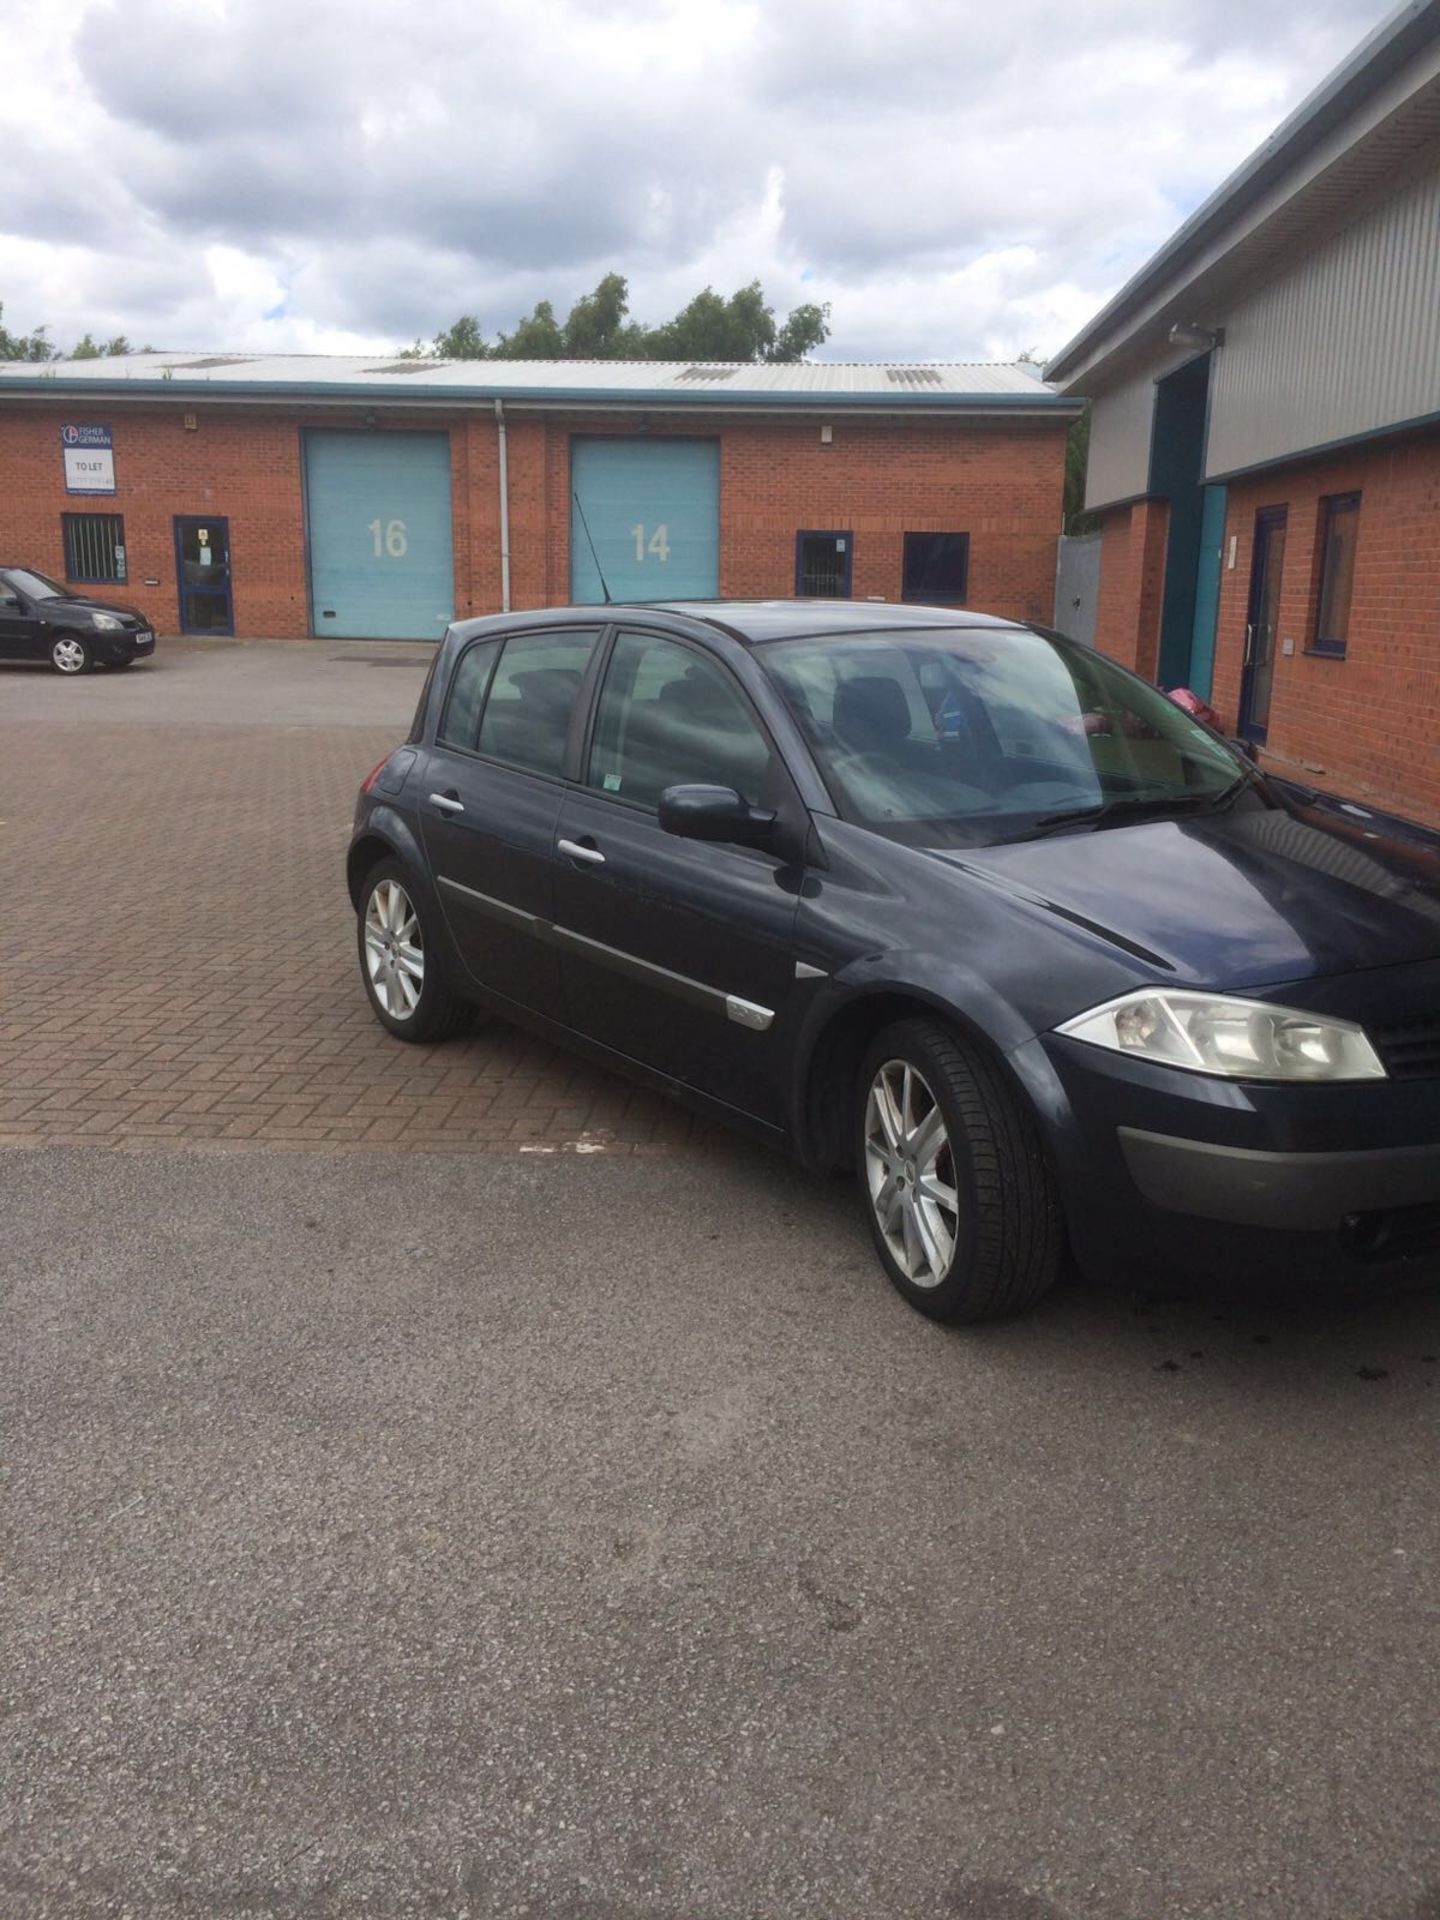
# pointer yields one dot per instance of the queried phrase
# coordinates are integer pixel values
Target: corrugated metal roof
(653, 382)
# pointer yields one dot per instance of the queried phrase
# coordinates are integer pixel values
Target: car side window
(670, 717)
(532, 695)
(460, 724)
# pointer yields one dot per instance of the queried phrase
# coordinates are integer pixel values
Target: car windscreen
(967, 736)
(35, 584)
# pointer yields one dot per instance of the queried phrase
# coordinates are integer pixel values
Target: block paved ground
(182, 965)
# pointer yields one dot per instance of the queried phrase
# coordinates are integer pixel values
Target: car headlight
(106, 622)
(1243, 1039)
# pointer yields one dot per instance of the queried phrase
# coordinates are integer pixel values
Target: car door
(490, 803)
(677, 953)
(20, 632)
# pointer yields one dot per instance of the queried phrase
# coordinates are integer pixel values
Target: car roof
(752, 622)
(760, 620)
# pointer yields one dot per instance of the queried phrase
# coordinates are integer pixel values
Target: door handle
(573, 850)
(447, 802)
(1249, 644)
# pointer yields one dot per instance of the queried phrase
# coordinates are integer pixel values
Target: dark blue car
(941, 898)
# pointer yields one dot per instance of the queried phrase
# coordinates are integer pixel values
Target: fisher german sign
(89, 459)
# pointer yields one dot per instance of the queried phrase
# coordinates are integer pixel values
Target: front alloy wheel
(910, 1171)
(70, 654)
(403, 978)
(958, 1191)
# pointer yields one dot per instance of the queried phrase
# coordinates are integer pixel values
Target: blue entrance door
(378, 519)
(646, 513)
(1258, 674)
(202, 573)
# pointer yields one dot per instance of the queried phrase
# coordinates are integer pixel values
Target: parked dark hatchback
(42, 620)
(946, 899)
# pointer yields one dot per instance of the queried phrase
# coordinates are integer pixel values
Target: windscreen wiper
(1131, 806)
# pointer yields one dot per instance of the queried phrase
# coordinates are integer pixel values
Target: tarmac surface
(459, 1529)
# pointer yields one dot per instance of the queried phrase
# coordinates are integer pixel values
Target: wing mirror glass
(715, 813)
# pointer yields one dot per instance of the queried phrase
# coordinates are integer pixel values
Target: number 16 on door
(396, 546)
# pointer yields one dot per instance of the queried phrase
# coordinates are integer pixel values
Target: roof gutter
(650, 399)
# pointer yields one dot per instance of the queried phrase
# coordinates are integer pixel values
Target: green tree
(807, 327)
(85, 349)
(463, 341)
(25, 346)
(539, 336)
(598, 327)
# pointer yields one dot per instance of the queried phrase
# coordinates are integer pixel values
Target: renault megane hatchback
(944, 899)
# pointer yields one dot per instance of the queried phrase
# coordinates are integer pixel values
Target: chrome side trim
(493, 909)
(804, 971)
(678, 984)
(745, 1013)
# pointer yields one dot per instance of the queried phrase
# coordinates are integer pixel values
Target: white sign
(89, 470)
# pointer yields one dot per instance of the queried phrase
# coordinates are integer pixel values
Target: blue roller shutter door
(378, 507)
(653, 512)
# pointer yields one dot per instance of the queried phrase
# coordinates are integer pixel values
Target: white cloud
(958, 180)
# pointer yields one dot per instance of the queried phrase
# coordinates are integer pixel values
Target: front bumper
(1296, 1192)
(1163, 1171)
(129, 644)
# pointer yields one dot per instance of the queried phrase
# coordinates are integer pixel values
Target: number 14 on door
(658, 543)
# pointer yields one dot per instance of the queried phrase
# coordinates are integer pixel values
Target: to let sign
(89, 459)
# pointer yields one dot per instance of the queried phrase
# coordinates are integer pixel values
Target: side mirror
(715, 813)
(1246, 748)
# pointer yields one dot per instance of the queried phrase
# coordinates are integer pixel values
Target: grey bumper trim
(1296, 1191)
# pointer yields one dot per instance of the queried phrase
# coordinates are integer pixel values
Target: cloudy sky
(960, 179)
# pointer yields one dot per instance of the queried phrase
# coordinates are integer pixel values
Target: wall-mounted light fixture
(1202, 339)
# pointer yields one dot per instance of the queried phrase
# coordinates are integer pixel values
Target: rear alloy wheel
(957, 1191)
(70, 654)
(407, 993)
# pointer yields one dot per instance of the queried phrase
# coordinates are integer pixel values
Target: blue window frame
(822, 565)
(94, 548)
(1339, 525)
(937, 568)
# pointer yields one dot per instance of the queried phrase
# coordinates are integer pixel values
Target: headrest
(871, 710)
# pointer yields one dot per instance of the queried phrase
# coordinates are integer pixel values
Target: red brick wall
(879, 478)
(1367, 725)
(1132, 580)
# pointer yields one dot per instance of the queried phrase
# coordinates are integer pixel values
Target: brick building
(1265, 441)
(358, 498)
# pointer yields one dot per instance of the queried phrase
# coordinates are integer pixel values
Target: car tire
(71, 653)
(962, 1209)
(399, 962)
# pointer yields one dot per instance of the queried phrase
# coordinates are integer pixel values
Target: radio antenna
(593, 554)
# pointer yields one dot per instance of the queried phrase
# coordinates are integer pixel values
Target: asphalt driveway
(483, 1531)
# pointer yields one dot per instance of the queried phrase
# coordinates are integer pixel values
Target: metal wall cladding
(1120, 427)
(651, 511)
(1344, 342)
(378, 524)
